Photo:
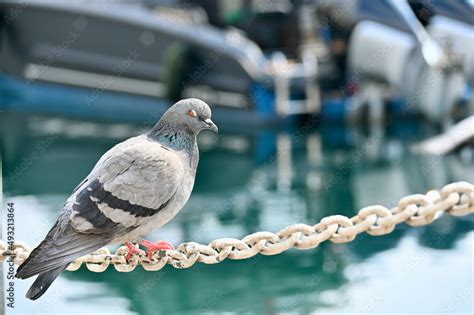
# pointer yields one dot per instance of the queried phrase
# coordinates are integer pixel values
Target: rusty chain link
(457, 199)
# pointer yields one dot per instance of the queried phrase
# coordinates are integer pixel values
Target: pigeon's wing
(132, 181)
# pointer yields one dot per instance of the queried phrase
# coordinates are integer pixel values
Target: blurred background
(320, 106)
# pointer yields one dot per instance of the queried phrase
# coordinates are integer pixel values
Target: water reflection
(260, 180)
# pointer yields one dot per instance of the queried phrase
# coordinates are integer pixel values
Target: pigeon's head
(192, 114)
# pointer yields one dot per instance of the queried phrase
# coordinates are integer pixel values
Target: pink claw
(132, 249)
(154, 247)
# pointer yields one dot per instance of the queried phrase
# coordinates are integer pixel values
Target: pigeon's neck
(175, 138)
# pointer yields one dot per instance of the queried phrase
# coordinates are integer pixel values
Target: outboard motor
(429, 67)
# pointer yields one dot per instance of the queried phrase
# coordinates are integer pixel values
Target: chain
(457, 199)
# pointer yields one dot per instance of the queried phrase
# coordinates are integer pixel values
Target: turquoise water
(260, 179)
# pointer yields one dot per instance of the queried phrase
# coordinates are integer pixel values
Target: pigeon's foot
(154, 247)
(132, 249)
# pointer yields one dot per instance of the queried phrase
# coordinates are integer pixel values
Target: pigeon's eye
(192, 113)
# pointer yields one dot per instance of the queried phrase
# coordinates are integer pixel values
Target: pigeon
(135, 187)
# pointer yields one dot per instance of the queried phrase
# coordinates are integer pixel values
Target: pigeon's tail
(42, 283)
(60, 247)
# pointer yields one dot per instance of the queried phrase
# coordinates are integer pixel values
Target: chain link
(457, 199)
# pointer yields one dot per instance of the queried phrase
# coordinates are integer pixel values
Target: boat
(161, 52)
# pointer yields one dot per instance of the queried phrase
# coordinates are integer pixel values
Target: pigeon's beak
(210, 125)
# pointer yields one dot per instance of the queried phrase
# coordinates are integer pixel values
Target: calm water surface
(262, 179)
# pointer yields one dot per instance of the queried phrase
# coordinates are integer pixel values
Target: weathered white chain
(457, 199)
